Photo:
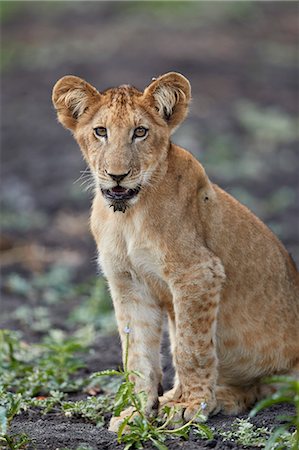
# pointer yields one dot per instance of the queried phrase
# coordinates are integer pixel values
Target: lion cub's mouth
(120, 193)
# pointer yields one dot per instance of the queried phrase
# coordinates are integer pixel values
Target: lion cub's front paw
(151, 410)
(185, 411)
(116, 421)
(186, 408)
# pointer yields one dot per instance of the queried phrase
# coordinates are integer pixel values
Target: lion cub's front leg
(196, 295)
(140, 317)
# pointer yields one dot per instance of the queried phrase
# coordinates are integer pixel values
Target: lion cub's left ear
(170, 94)
(71, 97)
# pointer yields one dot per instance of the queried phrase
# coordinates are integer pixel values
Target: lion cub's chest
(143, 254)
(147, 271)
(145, 259)
(126, 247)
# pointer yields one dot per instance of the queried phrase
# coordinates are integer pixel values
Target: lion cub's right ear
(71, 97)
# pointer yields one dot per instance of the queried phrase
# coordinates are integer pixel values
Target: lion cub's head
(123, 133)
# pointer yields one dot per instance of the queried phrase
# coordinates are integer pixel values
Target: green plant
(245, 433)
(38, 369)
(137, 428)
(27, 371)
(92, 408)
(7, 412)
(14, 442)
(16, 220)
(266, 124)
(46, 403)
(10, 406)
(51, 286)
(96, 306)
(54, 286)
(287, 392)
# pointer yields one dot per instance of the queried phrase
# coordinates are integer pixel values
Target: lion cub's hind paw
(234, 400)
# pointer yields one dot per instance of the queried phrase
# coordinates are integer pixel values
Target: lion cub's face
(123, 133)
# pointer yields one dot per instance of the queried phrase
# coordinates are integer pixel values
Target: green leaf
(183, 432)
(280, 379)
(135, 372)
(274, 437)
(166, 409)
(122, 398)
(106, 373)
(122, 428)
(159, 445)
(267, 402)
(129, 445)
(204, 429)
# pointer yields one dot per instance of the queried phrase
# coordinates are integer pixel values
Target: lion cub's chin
(119, 205)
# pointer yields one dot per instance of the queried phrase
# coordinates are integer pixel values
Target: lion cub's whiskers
(86, 179)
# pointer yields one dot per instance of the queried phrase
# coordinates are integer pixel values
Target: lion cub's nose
(118, 178)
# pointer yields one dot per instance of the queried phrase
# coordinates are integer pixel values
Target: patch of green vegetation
(268, 125)
(228, 159)
(136, 428)
(9, 9)
(42, 375)
(10, 403)
(37, 318)
(52, 286)
(287, 392)
(280, 200)
(277, 202)
(92, 408)
(11, 220)
(243, 432)
(37, 369)
(275, 53)
(55, 285)
(197, 12)
(96, 306)
(9, 55)
(14, 442)
(247, 199)
(221, 151)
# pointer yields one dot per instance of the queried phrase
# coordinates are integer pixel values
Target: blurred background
(242, 61)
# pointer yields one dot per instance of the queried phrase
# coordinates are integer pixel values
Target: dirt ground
(241, 59)
(55, 431)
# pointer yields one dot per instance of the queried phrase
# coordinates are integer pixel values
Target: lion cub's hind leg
(233, 400)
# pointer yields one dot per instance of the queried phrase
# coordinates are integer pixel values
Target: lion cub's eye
(140, 132)
(100, 131)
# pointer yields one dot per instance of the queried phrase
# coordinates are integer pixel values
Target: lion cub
(171, 241)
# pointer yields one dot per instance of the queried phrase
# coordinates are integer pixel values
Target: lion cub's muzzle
(119, 197)
(120, 193)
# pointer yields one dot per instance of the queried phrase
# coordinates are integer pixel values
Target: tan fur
(183, 246)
